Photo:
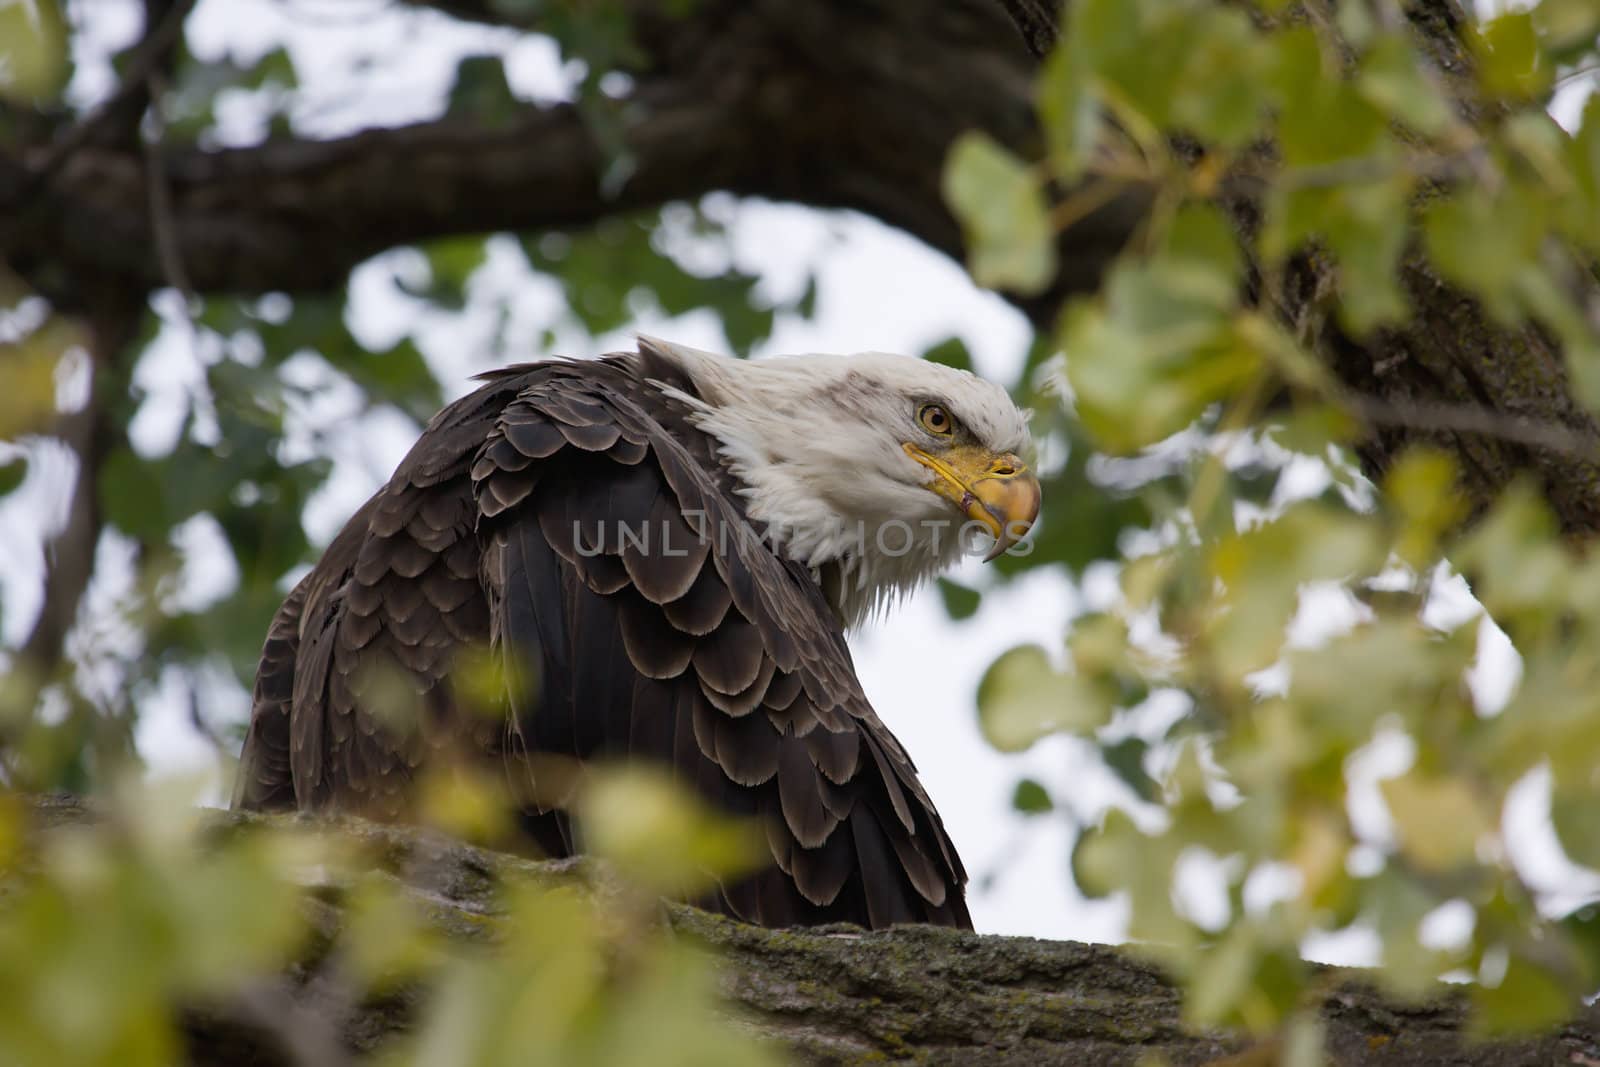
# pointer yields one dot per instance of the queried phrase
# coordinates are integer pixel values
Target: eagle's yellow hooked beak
(995, 490)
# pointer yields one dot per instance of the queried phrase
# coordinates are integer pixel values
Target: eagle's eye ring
(936, 420)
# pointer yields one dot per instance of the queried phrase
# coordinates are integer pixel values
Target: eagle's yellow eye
(935, 419)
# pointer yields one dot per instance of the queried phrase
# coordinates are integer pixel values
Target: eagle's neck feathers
(797, 435)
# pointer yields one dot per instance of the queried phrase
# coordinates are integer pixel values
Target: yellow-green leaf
(998, 199)
(1022, 698)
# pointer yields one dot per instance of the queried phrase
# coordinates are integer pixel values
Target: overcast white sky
(363, 63)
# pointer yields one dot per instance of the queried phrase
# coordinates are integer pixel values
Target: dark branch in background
(828, 103)
(298, 215)
(1039, 22)
(164, 28)
(168, 253)
(112, 316)
(839, 994)
(1475, 420)
(69, 557)
(759, 99)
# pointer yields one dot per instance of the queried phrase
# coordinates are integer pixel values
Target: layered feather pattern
(571, 517)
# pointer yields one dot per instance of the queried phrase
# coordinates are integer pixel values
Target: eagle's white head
(874, 470)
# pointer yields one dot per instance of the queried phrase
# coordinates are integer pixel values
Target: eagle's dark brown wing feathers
(705, 652)
(265, 773)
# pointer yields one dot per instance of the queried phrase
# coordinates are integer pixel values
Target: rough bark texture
(840, 995)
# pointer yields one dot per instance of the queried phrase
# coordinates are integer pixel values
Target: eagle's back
(515, 525)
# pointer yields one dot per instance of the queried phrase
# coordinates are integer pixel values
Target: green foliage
(1166, 342)
(1002, 208)
(33, 50)
(1363, 161)
(481, 90)
(1031, 798)
(959, 601)
(110, 929)
(1022, 698)
(105, 929)
(617, 270)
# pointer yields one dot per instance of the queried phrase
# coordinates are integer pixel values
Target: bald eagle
(666, 546)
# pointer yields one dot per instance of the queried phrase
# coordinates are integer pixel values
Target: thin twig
(203, 727)
(162, 219)
(1470, 418)
(147, 59)
(1084, 201)
(1038, 21)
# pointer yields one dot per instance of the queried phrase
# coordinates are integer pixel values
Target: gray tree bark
(842, 995)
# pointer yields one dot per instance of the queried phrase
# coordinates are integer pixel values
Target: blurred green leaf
(1322, 119)
(33, 50)
(662, 837)
(1421, 491)
(1567, 27)
(399, 376)
(1022, 698)
(13, 470)
(1011, 244)
(132, 494)
(1392, 77)
(27, 378)
(1577, 823)
(451, 264)
(275, 68)
(959, 601)
(1262, 570)
(1527, 998)
(1164, 344)
(1031, 798)
(615, 271)
(1485, 242)
(1225, 78)
(1126, 760)
(1069, 110)
(1511, 63)
(951, 352)
(1439, 821)
(481, 91)
(1518, 568)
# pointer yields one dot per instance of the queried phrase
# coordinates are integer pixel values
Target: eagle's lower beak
(995, 490)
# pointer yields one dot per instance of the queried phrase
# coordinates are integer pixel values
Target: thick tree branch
(832, 104)
(69, 556)
(119, 112)
(842, 995)
(297, 215)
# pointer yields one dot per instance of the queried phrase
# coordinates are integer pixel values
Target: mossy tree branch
(840, 995)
